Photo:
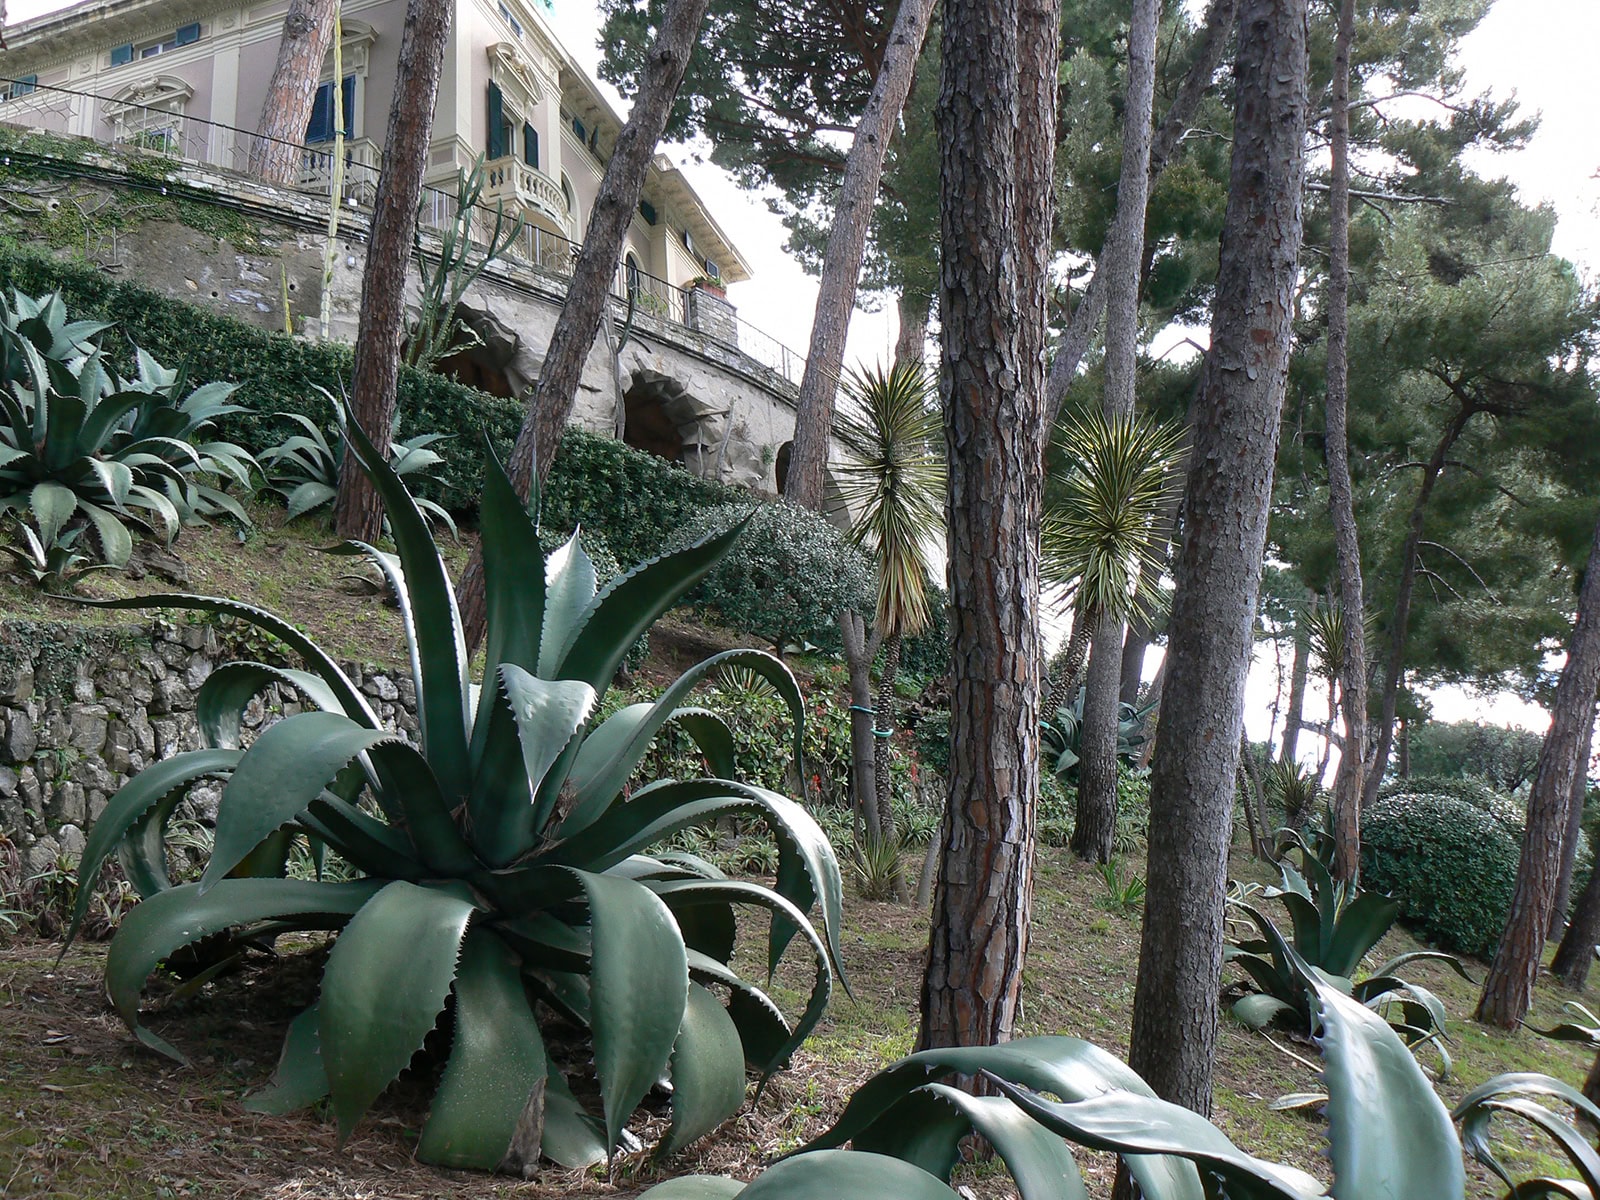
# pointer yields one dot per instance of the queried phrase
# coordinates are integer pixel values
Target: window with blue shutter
(577, 128)
(122, 54)
(530, 145)
(320, 127)
(187, 34)
(24, 85)
(499, 136)
(647, 211)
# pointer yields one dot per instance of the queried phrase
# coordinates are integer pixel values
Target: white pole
(336, 182)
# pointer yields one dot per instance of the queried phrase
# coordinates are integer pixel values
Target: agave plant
(53, 566)
(1061, 737)
(502, 861)
(304, 467)
(1334, 928)
(79, 443)
(1389, 1136)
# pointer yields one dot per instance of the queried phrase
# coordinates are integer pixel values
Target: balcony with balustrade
(526, 191)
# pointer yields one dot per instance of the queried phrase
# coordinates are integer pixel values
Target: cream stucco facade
(188, 77)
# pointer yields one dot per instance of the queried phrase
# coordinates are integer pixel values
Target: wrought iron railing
(159, 130)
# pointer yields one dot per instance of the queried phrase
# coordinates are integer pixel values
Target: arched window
(631, 276)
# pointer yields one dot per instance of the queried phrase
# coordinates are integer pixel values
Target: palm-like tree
(894, 480)
(1099, 539)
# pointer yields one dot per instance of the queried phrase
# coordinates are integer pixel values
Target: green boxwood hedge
(1451, 864)
(634, 500)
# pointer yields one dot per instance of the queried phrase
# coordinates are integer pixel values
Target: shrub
(787, 577)
(1474, 791)
(502, 862)
(1451, 864)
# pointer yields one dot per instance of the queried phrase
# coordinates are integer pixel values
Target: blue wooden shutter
(349, 102)
(497, 124)
(122, 54)
(187, 34)
(26, 85)
(530, 146)
(320, 127)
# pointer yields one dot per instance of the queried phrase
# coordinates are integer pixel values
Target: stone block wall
(84, 708)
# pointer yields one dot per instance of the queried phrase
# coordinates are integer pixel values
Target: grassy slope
(85, 1113)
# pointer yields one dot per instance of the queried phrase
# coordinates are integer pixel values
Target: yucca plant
(80, 444)
(1389, 1136)
(503, 860)
(1334, 928)
(1293, 789)
(1099, 541)
(304, 467)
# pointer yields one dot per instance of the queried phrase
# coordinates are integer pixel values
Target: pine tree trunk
(1297, 691)
(1152, 719)
(1095, 816)
(357, 514)
(1341, 503)
(1119, 260)
(1576, 951)
(588, 291)
(1076, 339)
(1255, 802)
(1399, 623)
(911, 343)
(996, 141)
(859, 651)
(1508, 989)
(281, 133)
(1219, 568)
(1574, 829)
(841, 260)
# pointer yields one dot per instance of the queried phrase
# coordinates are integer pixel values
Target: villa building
(177, 86)
(188, 77)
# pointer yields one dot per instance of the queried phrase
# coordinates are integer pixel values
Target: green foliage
(1100, 534)
(1061, 736)
(786, 578)
(82, 446)
(304, 468)
(1389, 1135)
(1503, 757)
(1124, 890)
(877, 867)
(55, 568)
(1334, 928)
(1292, 788)
(501, 863)
(926, 655)
(1450, 864)
(894, 477)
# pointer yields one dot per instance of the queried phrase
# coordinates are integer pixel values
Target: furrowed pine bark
(996, 114)
(1064, 686)
(286, 111)
(1096, 809)
(588, 291)
(1576, 951)
(1347, 787)
(1569, 838)
(380, 327)
(1076, 339)
(1508, 988)
(911, 341)
(841, 260)
(1219, 567)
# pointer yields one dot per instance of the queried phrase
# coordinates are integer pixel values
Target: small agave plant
(503, 863)
(1389, 1135)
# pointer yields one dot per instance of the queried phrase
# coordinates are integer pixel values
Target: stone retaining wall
(83, 708)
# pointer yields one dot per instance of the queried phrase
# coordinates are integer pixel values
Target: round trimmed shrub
(1451, 864)
(788, 576)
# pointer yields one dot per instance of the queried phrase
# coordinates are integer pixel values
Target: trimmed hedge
(634, 500)
(1451, 863)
